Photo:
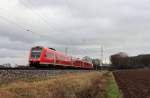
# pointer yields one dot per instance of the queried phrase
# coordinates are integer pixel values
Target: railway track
(18, 68)
(46, 68)
(41, 70)
(8, 75)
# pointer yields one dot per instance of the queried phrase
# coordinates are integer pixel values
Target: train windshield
(36, 52)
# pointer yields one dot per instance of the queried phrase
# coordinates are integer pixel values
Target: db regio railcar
(48, 57)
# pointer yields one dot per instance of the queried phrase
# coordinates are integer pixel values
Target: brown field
(134, 83)
(71, 85)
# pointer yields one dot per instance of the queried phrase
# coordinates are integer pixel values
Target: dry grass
(75, 85)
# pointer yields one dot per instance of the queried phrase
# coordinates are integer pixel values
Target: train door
(50, 57)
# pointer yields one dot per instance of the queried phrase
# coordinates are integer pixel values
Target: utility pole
(101, 63)
(66, 51)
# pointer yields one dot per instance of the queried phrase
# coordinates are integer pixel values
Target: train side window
(62, 57)
(49, 55)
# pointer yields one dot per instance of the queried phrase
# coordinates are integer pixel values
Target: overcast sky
(83, 26)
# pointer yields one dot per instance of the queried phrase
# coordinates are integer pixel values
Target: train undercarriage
(53, 66)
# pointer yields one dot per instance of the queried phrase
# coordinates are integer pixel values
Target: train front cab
(44, 58)
(35, 56)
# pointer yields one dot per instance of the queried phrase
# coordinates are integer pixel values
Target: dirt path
(134, 83)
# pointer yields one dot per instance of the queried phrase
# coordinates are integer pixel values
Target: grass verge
(112, 88)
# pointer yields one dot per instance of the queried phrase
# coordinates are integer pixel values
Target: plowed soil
(134, 83)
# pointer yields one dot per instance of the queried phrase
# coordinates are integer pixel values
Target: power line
(16, 24)
(41, 17)
(37, 14)
(22, 27)
(68, 5)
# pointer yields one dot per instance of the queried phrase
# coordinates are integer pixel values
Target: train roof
(37, 47)
(52, 49)
(61, 53)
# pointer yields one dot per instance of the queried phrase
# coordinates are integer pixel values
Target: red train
(49, 57)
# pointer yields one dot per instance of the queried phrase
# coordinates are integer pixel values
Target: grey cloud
(12, 53)
(80, 25)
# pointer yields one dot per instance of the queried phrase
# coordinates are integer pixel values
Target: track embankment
(72, 85)
(11, 75)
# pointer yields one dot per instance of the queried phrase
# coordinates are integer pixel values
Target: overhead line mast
(101, 63)
(66, 51)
